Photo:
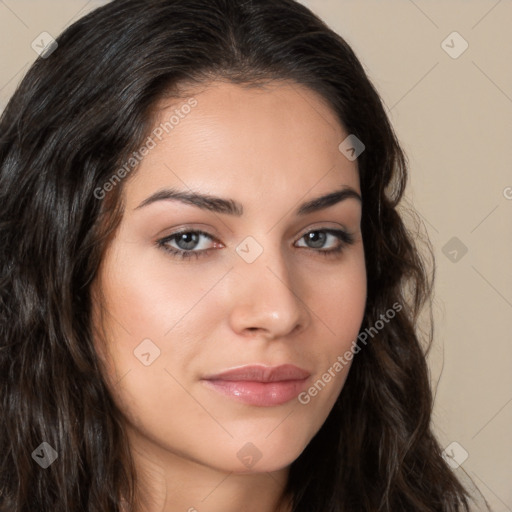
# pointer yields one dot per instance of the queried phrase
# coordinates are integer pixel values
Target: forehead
(267, 138)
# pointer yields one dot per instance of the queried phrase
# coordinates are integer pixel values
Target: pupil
(189, 244)
(317, 238)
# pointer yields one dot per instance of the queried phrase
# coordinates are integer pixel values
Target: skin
(271, 149)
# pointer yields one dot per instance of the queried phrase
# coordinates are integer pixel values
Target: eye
(318, 237)
(188, 244)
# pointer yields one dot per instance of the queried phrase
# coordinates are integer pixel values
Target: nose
(266, 298)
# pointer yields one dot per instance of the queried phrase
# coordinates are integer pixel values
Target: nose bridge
(266, 297)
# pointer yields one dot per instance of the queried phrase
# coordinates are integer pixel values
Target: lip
(261, 373)
(259, 385)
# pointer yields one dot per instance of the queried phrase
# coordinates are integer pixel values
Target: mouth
(259, 385)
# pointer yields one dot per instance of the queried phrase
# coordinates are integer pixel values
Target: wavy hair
(74, 119)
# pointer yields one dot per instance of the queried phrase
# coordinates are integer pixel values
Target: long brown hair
(77, 115)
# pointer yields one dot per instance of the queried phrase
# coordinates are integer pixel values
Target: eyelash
(344, 237)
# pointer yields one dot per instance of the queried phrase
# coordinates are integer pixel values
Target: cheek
(150, 342)
(159, 317)
(339, 300)
(149, 296)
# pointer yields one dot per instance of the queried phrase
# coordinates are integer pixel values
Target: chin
(265, 455)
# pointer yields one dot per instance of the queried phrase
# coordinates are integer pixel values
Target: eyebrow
(231, 207)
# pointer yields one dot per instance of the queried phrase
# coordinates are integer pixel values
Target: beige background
(454, 119)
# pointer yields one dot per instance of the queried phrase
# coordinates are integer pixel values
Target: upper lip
(260, 373)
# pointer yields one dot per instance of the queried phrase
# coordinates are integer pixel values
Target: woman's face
(257, 285)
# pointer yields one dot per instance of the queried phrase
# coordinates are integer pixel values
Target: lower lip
(263, 394)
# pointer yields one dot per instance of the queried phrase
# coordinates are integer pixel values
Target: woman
(208, 297)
